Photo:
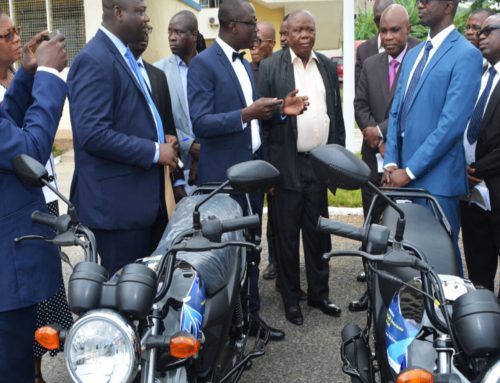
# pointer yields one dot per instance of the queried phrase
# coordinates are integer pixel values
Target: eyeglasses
(9, 35)
(252, 23)
(473, 27)
(487, 30)
(259, 41)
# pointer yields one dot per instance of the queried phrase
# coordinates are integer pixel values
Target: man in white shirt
(480, 215)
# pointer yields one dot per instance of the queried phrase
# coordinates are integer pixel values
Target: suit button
(249, 147)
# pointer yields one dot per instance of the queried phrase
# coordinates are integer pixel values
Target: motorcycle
(179, 315)
(426, 323)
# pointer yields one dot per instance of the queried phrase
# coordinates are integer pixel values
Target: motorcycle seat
(425, 232)
(213, 266)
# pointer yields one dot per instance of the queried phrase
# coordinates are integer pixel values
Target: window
(65, 15)
(210, 3)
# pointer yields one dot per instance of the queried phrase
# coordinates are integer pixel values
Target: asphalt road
(309, 353)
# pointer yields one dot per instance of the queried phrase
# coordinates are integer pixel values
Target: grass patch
(345, 198)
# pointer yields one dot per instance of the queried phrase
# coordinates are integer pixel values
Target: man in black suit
(481, 220)
(300, 198)
(372, 46)
(374, 92)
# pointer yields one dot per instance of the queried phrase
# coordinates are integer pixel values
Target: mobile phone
(51, 34)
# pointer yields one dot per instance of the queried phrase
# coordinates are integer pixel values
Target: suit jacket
(488, 149)
(31, 270)
(373, 100)
(276, 79)
(161, 98)
(215, 103)
(115, 185)
(438, 113)
(181, 110)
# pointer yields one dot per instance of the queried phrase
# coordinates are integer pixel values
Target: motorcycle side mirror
(336, 166)
(30, 171)
(251, 176)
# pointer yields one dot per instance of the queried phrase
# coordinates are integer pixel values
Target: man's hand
(52, 53)
(194, 150)
(193, 173)
(271, 191)
(371, 137)
(168, 156)
(28, 58)
(473, 181)
(399, 178)
(172, 140)
(179, 193)
(386, 178)
(261, 109)
(295, 105)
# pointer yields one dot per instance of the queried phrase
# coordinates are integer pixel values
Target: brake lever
(31, 238)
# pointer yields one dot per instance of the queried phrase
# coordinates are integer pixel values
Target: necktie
(169, 191)
(393, 70)
(238, 55)
(413, 86)
(145, 91)
(477, 114)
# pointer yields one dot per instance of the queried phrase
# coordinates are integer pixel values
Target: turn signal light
(184, 345)
(415, 376)
(48, 337)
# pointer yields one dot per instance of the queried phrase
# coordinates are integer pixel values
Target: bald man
(300, 199)
(263, 45)
(374, 93)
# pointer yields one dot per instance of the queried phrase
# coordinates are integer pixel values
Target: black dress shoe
(361, 277)
(274, 334)
(270, 272)
(327, 306)
(294, 314)
(361, 304)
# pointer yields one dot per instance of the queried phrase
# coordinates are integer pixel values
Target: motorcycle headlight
(102, 347)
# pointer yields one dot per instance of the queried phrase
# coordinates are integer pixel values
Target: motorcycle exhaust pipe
(355, 354)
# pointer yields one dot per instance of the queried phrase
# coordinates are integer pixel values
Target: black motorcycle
(180, 315)
(426, 324)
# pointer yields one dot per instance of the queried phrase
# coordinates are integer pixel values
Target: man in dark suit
(437, 87)
(481, 222)
(474, 23)
(225, 111)
(30, 272)
(372, 46)
(374, 93)
(375, 90)
(300, 198)
(118, 137)
(157, 85)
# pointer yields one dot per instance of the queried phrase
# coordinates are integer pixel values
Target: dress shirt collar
(496, 66)
(380, 48)
(122, 48)
(226, 48)
(294, 56)
(400, 58)
(140, 62)
(440, 37)
(180, 62)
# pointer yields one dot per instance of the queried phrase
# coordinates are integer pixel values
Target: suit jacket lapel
(384, 78)
(493, 103)
(445, 47)
(227, 65)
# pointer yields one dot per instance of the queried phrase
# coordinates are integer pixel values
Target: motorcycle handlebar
(250, 222)
(44, 218)
(340, 228)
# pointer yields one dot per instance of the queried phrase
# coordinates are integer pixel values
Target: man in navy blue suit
(225, 111)
(119, 140)
(31, 271)
(438, 84)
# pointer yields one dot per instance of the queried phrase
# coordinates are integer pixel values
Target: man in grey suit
(374, 93)
(182, 36)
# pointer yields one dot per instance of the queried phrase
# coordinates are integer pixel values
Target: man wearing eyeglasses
(263, 45)
(225, 111)
(480, 215)
(474, 22)
(437, 87)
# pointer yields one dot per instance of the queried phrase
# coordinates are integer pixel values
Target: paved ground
(309, 354)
